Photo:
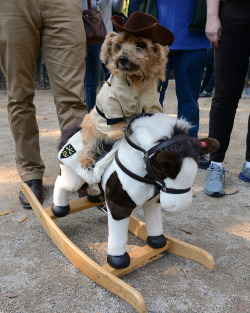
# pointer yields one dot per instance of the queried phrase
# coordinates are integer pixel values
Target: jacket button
(136, 97)
(133, 107)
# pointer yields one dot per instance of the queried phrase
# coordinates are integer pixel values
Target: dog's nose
(123, 60)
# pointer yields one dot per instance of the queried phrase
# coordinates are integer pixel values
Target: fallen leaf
(240, 308)
(227, 162)
(22, 219)
(244, 246)
(185, 231)
(6, 212)
(10, 294)
(231, 190)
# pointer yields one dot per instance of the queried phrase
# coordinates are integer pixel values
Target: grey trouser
(56, 26)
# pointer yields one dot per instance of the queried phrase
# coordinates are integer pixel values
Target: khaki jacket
(117, 101)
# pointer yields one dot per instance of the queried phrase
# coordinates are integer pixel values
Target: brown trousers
(57, 27)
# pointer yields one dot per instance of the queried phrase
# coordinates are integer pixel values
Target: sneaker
(245, 173)
(205, 94)
(214, 181)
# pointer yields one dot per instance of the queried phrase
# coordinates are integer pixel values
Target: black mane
(188, 147)
(66, 134)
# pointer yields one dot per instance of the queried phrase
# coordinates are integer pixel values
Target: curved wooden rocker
(105, 275)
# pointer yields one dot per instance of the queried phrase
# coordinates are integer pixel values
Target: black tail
(66, 134)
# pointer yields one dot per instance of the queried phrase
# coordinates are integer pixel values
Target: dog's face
(136, 57)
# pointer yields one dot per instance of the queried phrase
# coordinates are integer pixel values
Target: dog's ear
(106, 47)
(161, 51)
(160, 56)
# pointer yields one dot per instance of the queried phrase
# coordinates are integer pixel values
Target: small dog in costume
(136, 57)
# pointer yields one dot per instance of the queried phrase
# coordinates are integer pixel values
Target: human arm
(117, 5)
(213, 25)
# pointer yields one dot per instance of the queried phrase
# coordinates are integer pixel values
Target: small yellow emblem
(67, 151)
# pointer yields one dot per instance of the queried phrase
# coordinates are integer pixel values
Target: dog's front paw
(87, 163)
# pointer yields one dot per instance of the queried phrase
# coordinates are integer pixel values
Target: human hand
(213, 30)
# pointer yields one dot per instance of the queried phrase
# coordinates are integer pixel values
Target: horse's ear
(209, 145)
(106, 47)
(167, 158)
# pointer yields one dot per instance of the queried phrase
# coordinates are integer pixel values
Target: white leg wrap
(153, 220)
(67, 181)
(118, 235)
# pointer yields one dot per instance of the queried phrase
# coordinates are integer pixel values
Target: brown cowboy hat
(144, 25)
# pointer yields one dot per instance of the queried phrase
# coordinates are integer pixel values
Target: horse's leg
(117, 241)
(65, 182)
(153, 220)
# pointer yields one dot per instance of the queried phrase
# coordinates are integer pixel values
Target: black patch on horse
(118, 200)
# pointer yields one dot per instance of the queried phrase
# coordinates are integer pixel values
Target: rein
(154, 179)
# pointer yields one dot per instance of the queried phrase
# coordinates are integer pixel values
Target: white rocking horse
(154, 167)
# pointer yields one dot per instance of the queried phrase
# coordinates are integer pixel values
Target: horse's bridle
(153, 178)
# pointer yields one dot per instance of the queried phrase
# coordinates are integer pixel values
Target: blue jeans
(188, 66)
(92, 76)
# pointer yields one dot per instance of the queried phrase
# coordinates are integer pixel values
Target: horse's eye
(141, 45)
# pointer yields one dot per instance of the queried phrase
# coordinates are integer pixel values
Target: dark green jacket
(149, 7)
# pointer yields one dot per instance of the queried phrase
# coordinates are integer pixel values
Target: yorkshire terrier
(136, 57)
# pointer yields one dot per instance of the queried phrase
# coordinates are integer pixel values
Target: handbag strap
(97, 6)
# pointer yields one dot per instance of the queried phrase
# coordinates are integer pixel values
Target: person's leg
(210, 85)
(19, 46)
(188, 68)
(245, 173)
(164, 85)
(231, 64)
(206, 75)
(63, 46)
(92, 76)
(248, 142)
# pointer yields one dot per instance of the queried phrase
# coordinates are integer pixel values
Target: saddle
(68, 156)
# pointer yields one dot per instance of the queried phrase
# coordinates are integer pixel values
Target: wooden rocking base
(105, 275)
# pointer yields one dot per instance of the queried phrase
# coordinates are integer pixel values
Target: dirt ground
(35, 277)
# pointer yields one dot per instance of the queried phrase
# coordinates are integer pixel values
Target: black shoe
(36, 185)
(204, 163)
(205, 94)
(83, 191)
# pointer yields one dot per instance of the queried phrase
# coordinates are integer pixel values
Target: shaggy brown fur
(145, 61)
(151, 67)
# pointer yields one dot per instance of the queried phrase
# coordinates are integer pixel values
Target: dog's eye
(141, 45)
(118, 46)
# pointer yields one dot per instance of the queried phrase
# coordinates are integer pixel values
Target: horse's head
(176, 164)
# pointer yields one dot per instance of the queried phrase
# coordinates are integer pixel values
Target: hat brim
(156, 32)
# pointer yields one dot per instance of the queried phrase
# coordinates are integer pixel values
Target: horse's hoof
(95, 198)
(60, 211)
(120, 261)
(156, 241)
